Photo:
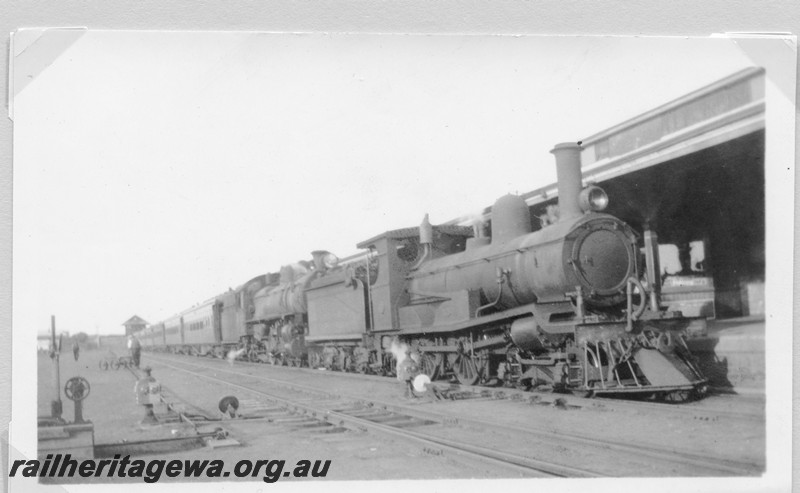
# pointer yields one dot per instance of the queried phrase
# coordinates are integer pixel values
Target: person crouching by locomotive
(135, 347)
(407, 370)
(416, 383)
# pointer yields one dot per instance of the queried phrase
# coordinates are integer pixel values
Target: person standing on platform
(135, 348)
(76, 349)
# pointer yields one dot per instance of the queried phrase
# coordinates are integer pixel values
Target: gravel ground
(369, 456)
(112, 408)
(733, 439)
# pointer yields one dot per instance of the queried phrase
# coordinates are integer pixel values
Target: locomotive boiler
(583, 254)
(279, 317)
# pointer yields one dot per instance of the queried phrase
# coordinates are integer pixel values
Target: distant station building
(134, 324)
(692, 170)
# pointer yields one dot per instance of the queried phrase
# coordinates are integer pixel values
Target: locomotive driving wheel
(466, 370)
(389, 368)
(432, 364)
(252, 355)
(464, 365)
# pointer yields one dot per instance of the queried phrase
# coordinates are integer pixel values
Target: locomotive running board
(474, 322)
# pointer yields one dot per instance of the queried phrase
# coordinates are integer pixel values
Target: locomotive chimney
(568, 169)
(425, 231)
(426, 240)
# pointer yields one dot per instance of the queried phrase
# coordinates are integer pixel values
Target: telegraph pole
(56, 408)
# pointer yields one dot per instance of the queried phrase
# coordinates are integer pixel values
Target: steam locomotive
(569, 306)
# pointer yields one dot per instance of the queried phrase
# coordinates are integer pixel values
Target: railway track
(404, 421)
(352, 413)
(712, 408)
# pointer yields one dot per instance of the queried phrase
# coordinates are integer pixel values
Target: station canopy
(692, 170)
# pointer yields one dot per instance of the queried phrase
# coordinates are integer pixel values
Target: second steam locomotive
(571, 305)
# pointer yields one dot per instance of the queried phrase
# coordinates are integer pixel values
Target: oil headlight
(593, 198)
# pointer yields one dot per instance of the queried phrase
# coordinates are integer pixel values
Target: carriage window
(688, 260)
(668, 255)
(697, 256)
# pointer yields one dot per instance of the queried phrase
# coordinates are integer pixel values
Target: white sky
(155, 170)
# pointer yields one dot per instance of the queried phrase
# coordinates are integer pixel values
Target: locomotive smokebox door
(603, 259)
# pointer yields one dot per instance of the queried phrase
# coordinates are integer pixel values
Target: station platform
(732, 355)
(110, 409)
